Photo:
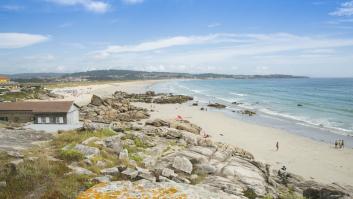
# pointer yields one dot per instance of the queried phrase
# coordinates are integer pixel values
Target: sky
(296, 37)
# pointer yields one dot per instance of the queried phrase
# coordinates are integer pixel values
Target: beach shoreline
(301, 155)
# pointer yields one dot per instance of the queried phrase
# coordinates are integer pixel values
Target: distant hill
(134, 75)
(130, 75)
(36, 75)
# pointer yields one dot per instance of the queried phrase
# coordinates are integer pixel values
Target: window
(3, 119)
(47, 120)
(59, 120)
(39, 120)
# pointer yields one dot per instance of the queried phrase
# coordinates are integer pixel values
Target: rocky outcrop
(111, 110)
(182, 164)
(152, 97)
(148, 189)
(248, 112)
(86, 150)
(176, 124)
(217, 105)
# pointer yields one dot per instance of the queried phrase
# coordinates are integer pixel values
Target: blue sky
(299, 37)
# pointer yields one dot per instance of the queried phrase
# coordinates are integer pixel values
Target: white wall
(73, 116)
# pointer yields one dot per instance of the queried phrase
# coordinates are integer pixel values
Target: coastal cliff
(121, 153)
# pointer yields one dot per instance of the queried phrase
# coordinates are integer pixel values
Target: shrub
(250, 193)
(70, 155)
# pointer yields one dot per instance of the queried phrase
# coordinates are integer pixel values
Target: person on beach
(277, 146)
(342, 144)
(336, 144)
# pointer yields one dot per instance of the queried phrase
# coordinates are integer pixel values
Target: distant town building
(48, 112)
(4, 80)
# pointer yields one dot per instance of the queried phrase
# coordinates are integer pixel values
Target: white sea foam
(238, 94)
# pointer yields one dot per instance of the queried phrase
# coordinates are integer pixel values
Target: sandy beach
(303, 156)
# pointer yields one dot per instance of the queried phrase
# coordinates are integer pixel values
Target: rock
(186, 126)
(127, 142)
(313, 189)
(127, 189)
(157, 123)
(195, 104)
(117, 147)
(132, 173)
(86, 150)
(207, 142)
(88, 162)
(110, 171)
(124, 154)
(89, 140)
(150, 93)
(100, 164)
(146, 174)
(16, 162)
(88, 125)
(96, 101)
(80, 171)
(323, 193)
(207, 168)
(109, 141)
(194, 157)
(224, 184)
(149, 162)
(117, 127)
(172, 99)
(2, 184)
(217, 105)
(248, 112)
(102, 179)
(166, 172)
(15, 154)
(182, 164)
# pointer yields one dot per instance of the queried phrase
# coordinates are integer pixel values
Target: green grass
(137, 158)
(42, 179)
(76, 137)
(70, 155)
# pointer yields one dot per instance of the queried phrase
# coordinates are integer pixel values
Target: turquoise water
(325, 104)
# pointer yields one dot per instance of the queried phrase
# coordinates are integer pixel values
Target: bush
(250, 193)
(70, 155)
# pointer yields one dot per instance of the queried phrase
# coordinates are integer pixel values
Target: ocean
(318, 108)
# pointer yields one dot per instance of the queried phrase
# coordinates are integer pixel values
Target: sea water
(319, 108)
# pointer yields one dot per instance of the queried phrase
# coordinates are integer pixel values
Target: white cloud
(230, 53)
(133, 1)
(346, 9)
(230, 44)
(97, 6)
(156, 45)
(19, 40)
(213, 25)
(43, 57)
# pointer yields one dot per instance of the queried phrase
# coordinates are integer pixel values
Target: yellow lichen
(136, 192)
